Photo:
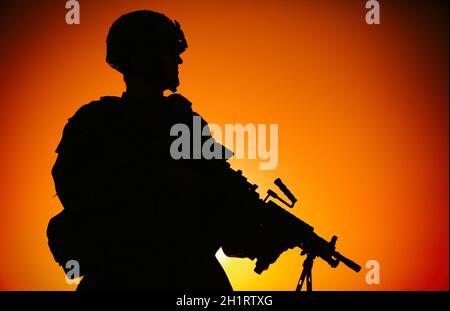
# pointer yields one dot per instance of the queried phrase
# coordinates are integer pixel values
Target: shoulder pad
(97, 108)
(91, 117)
(180, 102)
(111, 99)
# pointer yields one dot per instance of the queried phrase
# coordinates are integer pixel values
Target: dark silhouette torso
(133, 216)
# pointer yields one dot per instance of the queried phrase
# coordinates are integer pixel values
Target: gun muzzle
(349, 263)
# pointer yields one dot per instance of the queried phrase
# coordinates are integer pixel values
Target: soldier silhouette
(134, 217)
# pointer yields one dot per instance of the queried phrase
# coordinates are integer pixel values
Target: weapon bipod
(306, 273)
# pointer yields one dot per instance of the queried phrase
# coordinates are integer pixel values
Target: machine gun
(293, 231)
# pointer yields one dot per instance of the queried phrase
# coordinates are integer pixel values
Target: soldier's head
(146, 45)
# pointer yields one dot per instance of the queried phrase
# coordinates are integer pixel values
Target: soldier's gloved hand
(264, 260)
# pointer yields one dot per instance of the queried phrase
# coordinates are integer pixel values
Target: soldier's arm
(75, 234)
(243, 218)
(239, 214)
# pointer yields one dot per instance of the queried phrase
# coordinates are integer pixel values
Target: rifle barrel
(349, 263)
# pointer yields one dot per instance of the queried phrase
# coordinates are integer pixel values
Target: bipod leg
(306, 273)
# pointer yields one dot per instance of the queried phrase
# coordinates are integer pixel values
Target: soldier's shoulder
(96, 110)
(89, 119)
(180, 102)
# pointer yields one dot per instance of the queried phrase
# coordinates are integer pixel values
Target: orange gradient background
(362, 113)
